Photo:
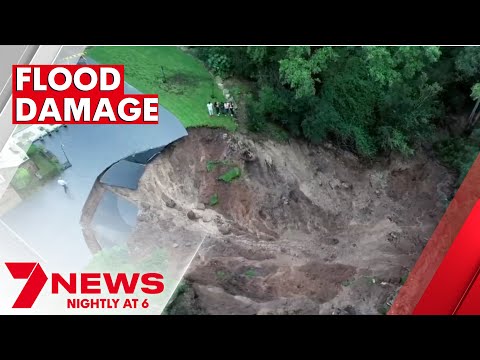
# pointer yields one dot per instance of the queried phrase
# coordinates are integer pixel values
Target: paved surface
(124, 174)
(49, 220)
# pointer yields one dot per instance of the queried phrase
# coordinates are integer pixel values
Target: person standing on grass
(217, 108)
(63, 184)
(210, 108)
(232, 109)
(225, 108)
(220, 108)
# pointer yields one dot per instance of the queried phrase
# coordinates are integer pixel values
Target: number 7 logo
(36, 279)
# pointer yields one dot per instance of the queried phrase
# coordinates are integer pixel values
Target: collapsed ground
(304, 230)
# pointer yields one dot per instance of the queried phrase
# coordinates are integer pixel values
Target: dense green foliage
(370, 100)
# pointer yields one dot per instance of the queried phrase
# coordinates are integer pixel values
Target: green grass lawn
(188, 86)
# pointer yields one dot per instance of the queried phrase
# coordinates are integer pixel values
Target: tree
(472, 119)
(300, 68)
(368, 99)
(467, 62)
(371, 99)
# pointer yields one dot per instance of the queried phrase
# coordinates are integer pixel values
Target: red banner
(77, 94)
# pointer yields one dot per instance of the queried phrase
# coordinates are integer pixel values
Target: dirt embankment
(304, 230)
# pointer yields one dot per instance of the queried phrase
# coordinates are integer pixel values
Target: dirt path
(304, 230)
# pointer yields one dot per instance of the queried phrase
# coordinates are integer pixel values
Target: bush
(279, 106)
(219, 64)
(21, 179)
(215, 58)
(235, 59)
(459, 153)
(256, 118)
(213, 164)
(32, 150)
(213, 200)
(203, 52)
(231, 175)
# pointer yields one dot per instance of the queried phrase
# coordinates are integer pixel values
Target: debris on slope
(304, 230)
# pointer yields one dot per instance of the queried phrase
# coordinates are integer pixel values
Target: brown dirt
(304, 230)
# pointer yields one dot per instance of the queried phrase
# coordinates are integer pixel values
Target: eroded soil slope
(304, 230)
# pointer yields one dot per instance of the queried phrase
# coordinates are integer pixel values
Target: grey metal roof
(125, 174)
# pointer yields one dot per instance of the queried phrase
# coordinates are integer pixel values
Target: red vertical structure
(445, 278)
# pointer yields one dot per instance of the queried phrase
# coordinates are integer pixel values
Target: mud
(304, 230)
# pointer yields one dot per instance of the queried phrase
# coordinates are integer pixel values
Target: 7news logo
(89, 283)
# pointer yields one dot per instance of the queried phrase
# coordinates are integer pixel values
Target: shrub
(219, 64)
(213, 200)
(213, 164)
(231, 175)
(459, 153)
(32, 150)
(204, 52)
(21, 179)
(256, 118)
